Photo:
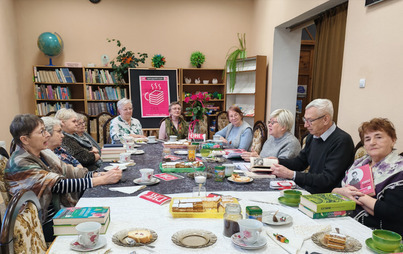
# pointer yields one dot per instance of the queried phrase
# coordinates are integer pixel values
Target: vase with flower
(197, 109)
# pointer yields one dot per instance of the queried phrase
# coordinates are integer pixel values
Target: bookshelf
(250, 89)
(85, 89)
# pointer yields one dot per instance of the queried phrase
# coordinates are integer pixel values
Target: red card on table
(155, 197)
(166, 177)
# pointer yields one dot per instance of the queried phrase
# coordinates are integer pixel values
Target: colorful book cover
(327, 202)
(166, 177)
(155, 197)
(76, 215)
(362, 179)
(71, 229)
(323, 215)
(67, 76)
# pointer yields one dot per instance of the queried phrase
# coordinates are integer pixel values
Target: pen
(281, 238)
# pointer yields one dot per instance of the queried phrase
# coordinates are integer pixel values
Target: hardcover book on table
(76, 215)
(323, 215)
(362, 179)
(70, 229)
(327, 202)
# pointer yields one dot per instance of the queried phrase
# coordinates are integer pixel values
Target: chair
(101, 119)
(3, 187)
(259, 136)
(21, 229)
(359, 151)
(86, 120)
(106, 132)
(221, 120)
(204, 126)
(51, 113)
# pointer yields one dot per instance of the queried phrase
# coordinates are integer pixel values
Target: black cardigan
(328, 161)
(83, 155)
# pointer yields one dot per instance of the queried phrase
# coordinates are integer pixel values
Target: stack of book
(326, 205)
(112, 153)
(66, 220)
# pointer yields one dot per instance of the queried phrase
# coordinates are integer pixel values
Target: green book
(327, 202)
(71, 229)
(76, 215)
(323, 215)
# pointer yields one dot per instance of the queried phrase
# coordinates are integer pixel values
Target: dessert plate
(352, 244)
(268, 218)
(75, 245)
(243, 182)
(151, 182)
(284, 201)
(121, 167)
(194, 238)
(181, 152)
(370, 244)
(124, 164)
(237, 240)
(119, 238)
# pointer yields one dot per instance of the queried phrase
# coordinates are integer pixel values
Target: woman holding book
(174, 124)
(52, 180)
(124, 124)
(383, 210)
(281, 142)
(238, 133)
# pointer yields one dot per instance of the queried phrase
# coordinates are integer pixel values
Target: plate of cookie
(235, 178)
(134, 237)
(336, 242)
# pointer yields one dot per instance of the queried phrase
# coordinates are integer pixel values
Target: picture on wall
(154, 92)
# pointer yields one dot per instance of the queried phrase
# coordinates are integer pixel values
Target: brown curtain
(328, 57)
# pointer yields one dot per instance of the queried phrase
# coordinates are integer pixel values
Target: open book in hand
(261, 164)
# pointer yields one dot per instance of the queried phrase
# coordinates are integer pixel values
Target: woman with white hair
(88, 156)
(281, 143)
(124, 124)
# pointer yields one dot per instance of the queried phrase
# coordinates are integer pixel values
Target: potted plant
(197, 59)
(125, 59)
(158, 61)
(231, 63)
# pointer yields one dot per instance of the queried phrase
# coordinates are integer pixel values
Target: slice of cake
(335, 241)
(140, 236)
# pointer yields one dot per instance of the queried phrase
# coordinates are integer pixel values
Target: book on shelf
(155, 197)
(323, 215)
(258, 164)
(66, 74)
(362, 179)
(70, 229)
(44, 107)
(327, 202)
(76, 215)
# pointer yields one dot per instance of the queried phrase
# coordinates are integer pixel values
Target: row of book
(107, 93)
(94, 108)
(50, 93)
(44, 107)
(101, 77)
(62, 75)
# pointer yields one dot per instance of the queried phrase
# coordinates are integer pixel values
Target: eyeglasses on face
(310, 121)
(127, 109)
(42, 132)
(272, 122)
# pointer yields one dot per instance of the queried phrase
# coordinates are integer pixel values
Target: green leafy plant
(158, 61)
(232, 57)
(198, 104)
(197, 59)
(126, 59)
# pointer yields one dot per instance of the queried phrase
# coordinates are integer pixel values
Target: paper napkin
(128, 190)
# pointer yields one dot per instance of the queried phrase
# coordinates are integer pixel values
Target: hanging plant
(197, 59)
(158, 61)
(231, 63)
(126, 59)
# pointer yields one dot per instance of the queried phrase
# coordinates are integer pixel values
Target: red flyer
(155, 197)
(362, 179)
(172, 157)
(166, 177)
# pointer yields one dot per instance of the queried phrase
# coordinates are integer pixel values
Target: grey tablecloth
(151, 159)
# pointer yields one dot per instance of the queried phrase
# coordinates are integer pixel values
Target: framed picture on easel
(152, 90)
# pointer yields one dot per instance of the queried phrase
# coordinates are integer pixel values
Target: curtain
(328, 57)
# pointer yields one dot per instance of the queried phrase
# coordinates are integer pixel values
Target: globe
(51, 44)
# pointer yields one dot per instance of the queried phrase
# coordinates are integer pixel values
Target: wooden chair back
(259, 136)
(51, 113)
(101, 119)
(3, 186)
(221, 120)
(106, 132)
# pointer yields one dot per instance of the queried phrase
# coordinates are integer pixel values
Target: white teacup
(205, 81)
(250, 230)
(127, 139)
(88, 233)
(216, 137)
(146, 174)
(172, 138)
(124, 157)
(151, 139)
(229, 169)
(130, 146)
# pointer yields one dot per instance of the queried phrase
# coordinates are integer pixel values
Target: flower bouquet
(197, 109)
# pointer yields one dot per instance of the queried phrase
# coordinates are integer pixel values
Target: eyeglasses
(127, 109)
(81, 123)
(272, 122)
(43, 133)
(309, 121)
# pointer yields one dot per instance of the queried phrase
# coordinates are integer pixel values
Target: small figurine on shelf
(188, 80)
(219, 96)
(197, 81)
(215, 81)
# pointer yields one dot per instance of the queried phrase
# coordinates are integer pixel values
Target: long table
(151, 159)
(134, 212)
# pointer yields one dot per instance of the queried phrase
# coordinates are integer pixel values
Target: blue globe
(51, 44)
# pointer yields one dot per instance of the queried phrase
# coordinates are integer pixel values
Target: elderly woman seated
(52, 181)
(385, 209)
(53, 127)
(87, 155)
(125, 124)
(174, 124)
(82, 134)
(237, 134)
(281, 143)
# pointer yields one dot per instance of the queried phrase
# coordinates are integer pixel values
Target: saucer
(284, 201)
(151, 182)
(74, 245)
(126, 162)
(121, 167)
(137, 152)
(152, 142)
(236, 239)
(268, 218)
(370, 244)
